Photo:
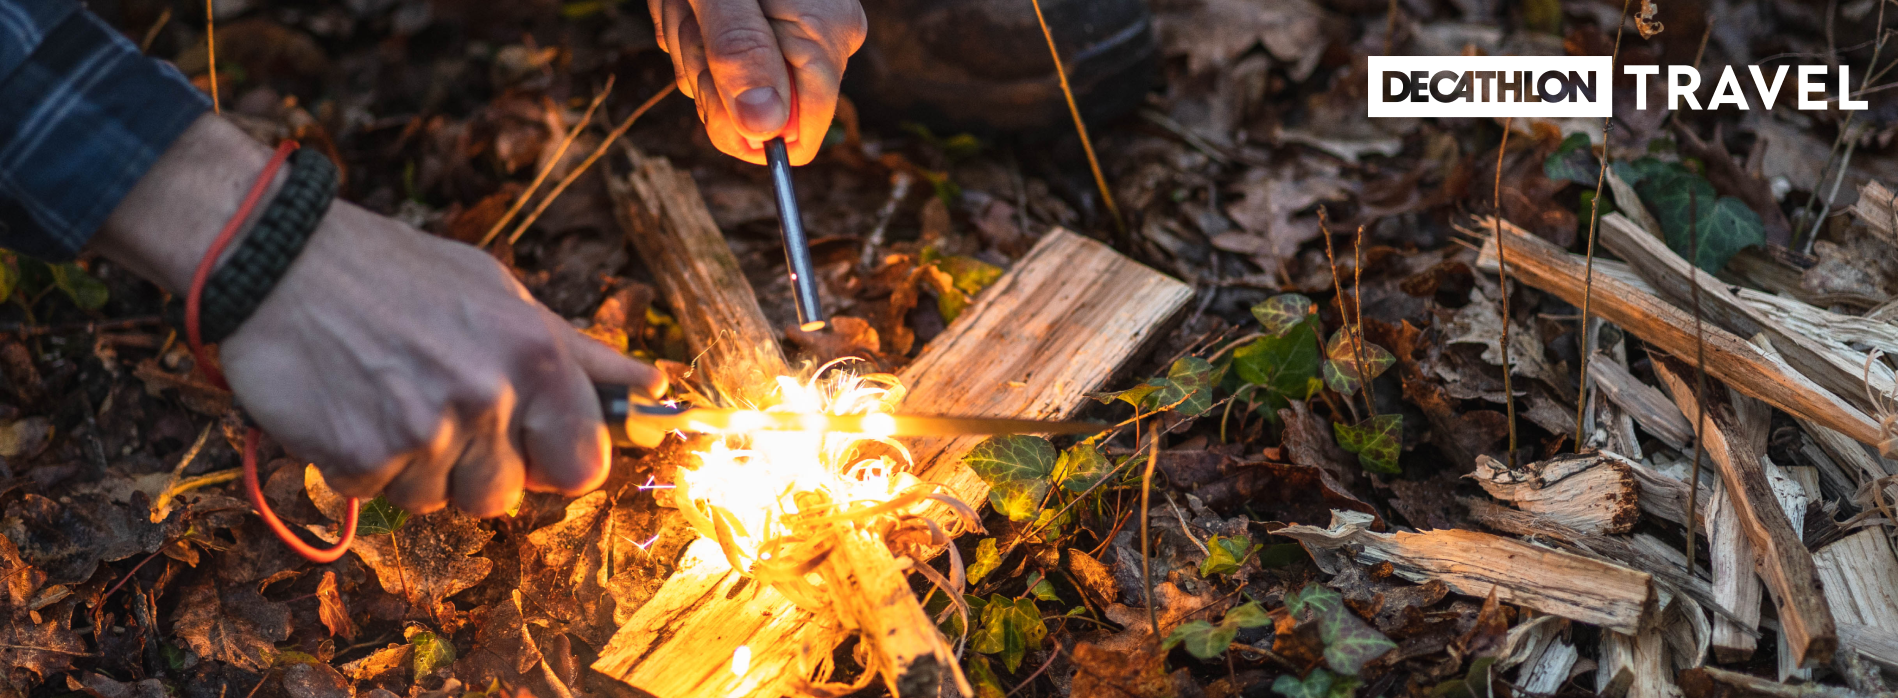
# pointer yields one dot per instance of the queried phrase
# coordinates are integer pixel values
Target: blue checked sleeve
(83, 115)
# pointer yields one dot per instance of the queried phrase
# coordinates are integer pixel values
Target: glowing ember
(755, 487)
(741, 660)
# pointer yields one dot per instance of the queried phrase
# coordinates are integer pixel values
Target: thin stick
(559, 154)
(584, 164)
(1146, 540)
(1502, 280)
(1093, 163)
(1700, 371)
(210, 53)
(1594, 216)
(151, 34)
(1357, 302)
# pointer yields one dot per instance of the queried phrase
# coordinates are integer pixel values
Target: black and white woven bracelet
(242, 283)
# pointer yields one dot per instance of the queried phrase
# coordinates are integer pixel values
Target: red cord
(252, 435)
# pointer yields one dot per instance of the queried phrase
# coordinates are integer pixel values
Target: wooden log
(1644, 403)
(1785, 565)
(1735, 584)
(1830, 364)
(1479, 564)
(1614, 665)
(1053, 328)
(1858, 572)
(1590, 493)
(1729, 358)
(666, 220)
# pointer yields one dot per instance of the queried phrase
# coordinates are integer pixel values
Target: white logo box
(1552, 72)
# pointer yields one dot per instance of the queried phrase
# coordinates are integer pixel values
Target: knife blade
(636, 420)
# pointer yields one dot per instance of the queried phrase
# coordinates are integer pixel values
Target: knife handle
(623, 421)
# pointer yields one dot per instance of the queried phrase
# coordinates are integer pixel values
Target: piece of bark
(1665, 497)
(1729, 358)
(1479, 564)
(666, 219)
(1784, 563)
(1711, 682)
(1877, 207)
(1549, 670)
(1828, 363)
(1643, 402)
(1821, 324)
(1591, 493)
(1052, 329)
(1735, 584)
(1614, 665)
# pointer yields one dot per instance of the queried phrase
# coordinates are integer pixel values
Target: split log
(1479, 564)
(1858, 572)
(1591, 493)
(1614, 665)
(1729, 358)
(1548, 671)
(1649, 408)
(1828, 363)
(1735, 584)
(666, 219)
(1053, 328)
(1784, 563)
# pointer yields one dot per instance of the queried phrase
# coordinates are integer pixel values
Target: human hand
(760, 69)
(398, 362)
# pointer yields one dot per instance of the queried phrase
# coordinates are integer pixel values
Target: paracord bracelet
(240, 285)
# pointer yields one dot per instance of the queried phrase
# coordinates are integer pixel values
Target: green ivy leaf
(379, 517)
(1377, 441)
(1009, 629)
(1573, 161)
(982, 678)
(1018, 470)
(1042, 589)
(1342, 353)
(1227, 554)
(1248, 615)
(1202, 639)
(1187, 389)
(1350, 643)
(85, 290)
(1688, 209)
(969, 274)
(1081, 467)
(431, 652)
(1473, 684)
(1281, 312)
(1317, 684)
(986, 560)
(1284, 364)
(1312, 601)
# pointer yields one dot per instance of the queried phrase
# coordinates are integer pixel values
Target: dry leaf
(330, 608)
(312, 680)
(68, 541)
(231, 623)
(25, 437)
(1212, 33)
(1644, 20)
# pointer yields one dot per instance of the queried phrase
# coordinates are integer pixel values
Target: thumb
(747, 66)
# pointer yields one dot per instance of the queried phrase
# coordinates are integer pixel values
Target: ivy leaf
(1284, 364)
(1279, 555)
(1017, 469)
(1202, 639)
(970, 275)
(1377, 441)
(1350, 643)
(1317, 684)
(982, 678)
(1187, 389)
(1042, 589)
(1081, 467)
(431, 652)
(1573, 161)
(1342, 353)
(1248, 615)
(85, 290)
(1009, 629)
(1689, 210)
(1279, 313)
(986, 560)
(379, 517)
(1226, 554)
(1316, 598)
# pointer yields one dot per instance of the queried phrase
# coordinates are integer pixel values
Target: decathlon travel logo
(1565, 86)
(1527, 86)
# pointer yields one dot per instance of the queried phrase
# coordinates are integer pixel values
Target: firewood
(1827, 362)
(1478, 564)
(1858, 573)
(666, 219)
(1735, 584)
(1662, 324)
(1784, 563)
(1053, 328)
(1591, 493)
(1643, 402)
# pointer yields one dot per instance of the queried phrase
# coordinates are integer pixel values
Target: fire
(757, 489)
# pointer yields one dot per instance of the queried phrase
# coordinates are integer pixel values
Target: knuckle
(742, 44)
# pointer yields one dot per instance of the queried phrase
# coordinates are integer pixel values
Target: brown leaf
(23, 377)
(1487, 637)
(330, 608)
(101, 687)
(230, 623)
(436, 550)
(1092, 576)
(311, 680)
(504, 650)
(562, 569)
(997, 225)
(387, 666)
(25, 437)
(1211, 33)
(1106, 673)
(68, 541)
(471, 224)
(844, 336)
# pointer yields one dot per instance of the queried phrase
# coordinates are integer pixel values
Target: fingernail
(761, 110)
(753, 142)
(790, 137)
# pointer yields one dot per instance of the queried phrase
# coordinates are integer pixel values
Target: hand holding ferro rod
(797, 247)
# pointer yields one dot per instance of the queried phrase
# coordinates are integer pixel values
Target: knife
(636, 420)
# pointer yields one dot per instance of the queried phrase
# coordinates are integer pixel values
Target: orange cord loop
(252, 435)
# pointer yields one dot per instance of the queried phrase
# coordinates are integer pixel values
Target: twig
(1186, 527)
(560, 153)
(128, 575)
(1502, 280)
(1146, 540)
(1357, 302)
(584, 164)
(210, 59)
(1700, 371)
(1594, 218)
(1080, 127)
(151, 34)
(900, 181)
(1044, 666)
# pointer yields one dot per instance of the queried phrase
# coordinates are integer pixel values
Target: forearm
(162, 228)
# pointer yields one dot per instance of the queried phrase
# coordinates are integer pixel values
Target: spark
(653, 484)
(741, 660)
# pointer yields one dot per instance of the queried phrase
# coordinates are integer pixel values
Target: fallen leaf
(330, 608)
(68, 541)
(1105, 673)
(1269, 209)
(1092, 576)
(1214, 32)
(230, 623)
(315, 680)
(1017, 469)
(436, 557)
(25, 437)
(387, 666)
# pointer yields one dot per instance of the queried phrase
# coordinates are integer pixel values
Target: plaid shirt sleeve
(83, 115)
